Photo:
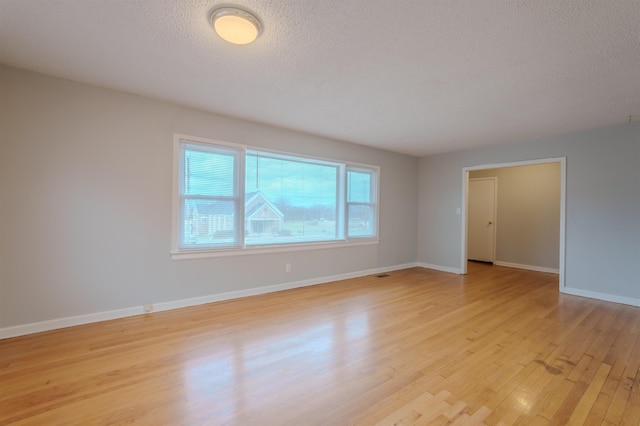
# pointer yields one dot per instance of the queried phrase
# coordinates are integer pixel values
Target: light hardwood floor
(498, 346)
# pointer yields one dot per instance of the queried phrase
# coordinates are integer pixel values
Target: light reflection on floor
(230, 376)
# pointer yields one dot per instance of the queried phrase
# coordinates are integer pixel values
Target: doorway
(465, 216)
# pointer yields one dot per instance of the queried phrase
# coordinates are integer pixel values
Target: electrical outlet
(287, 267)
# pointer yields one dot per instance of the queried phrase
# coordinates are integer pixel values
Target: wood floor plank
(587, 401)
(499, 346)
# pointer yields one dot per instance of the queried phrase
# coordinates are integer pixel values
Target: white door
(481, 219)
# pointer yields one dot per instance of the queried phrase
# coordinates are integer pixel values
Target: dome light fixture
(235, 25)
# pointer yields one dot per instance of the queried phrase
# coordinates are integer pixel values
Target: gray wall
(85, 203)
(603, 204)
(528, 214)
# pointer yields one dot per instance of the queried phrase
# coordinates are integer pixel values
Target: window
(290, 199)
(361, 202)
(234, 197)
(210, 201)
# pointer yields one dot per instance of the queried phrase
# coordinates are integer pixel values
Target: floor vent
(382, 275)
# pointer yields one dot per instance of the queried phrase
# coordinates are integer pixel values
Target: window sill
(200, 254)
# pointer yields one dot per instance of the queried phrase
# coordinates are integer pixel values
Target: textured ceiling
(416, 77)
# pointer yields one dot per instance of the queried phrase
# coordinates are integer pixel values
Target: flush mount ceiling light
(235, 25)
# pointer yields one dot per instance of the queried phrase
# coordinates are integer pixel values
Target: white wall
(603, 206)
(528, 214)
(85, 203)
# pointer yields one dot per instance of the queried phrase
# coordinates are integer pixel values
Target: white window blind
(210, 201)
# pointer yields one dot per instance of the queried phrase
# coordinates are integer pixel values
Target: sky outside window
(291, 182)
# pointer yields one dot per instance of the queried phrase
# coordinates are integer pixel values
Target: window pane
(208, 173)
(209, 223)
(289, 199)
(358, 187)
(361, 220)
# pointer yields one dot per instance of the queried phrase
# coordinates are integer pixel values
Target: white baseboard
(601, 296)
(440, 268)
(37, 327)
(183, 303)
(528, 267)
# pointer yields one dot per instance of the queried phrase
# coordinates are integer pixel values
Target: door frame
(563, 204)
(494, 179)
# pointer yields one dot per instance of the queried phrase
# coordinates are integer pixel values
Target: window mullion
(241, 195)
(340, 202)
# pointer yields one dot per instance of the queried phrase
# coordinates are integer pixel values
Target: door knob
(490, 223)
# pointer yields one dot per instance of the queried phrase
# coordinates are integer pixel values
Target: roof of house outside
(225, 208)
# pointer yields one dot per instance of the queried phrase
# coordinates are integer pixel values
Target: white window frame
(237, 197)
(178, 252)
(374, 196)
